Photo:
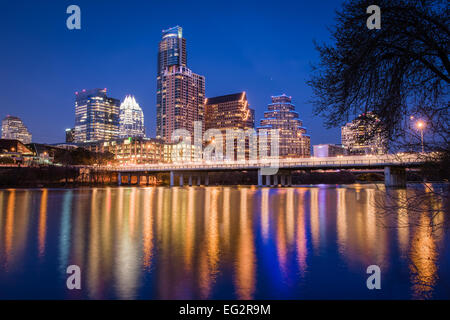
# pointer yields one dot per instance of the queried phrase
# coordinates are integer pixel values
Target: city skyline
(224, 157)
(270, 74)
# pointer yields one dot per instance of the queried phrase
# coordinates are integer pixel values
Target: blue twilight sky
(264, 48)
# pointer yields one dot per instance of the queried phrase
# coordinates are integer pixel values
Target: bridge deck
(349, 162)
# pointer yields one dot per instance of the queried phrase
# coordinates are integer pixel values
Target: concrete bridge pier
(260, 178)
(268, 181)
(394, 177)
(283, 180)
(190, 180)
(199, 181)
(171, 178)
(181, 180)
(119, 178)
(206, 180)
(289, 180)
(275, 180)
(129, 179)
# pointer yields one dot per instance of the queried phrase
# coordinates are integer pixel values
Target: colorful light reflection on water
(216, 243)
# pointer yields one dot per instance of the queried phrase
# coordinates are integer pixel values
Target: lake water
(218, 243)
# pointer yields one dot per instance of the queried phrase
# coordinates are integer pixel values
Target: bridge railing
(344, 161)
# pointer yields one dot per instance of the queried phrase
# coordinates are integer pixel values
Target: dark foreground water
(218, 243)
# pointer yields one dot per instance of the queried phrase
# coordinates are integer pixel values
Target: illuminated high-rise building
(131, 119)
(13, 128)
(281, 116)
(364, 135)
(172, 49)
(230, 112)
(180, 93)
(70, 135)
(96, 116)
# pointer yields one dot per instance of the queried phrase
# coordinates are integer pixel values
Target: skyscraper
(131, 119)
(293, 140)
(96, 116)
(13, 128)
(230, 112)
(363, 136)
(180, 92)
(172, 49)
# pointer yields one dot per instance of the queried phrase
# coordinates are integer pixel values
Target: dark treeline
(36, 176)
(53, 176)
(81, 156)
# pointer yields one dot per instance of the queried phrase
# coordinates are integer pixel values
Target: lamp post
(421, 126)
(411, 119)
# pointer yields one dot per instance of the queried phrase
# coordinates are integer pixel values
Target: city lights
(228, 189)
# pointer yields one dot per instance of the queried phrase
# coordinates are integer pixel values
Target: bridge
(394, 166)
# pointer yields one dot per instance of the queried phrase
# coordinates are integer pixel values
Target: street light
(421, 126)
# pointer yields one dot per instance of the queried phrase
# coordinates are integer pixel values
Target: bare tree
(401, 72)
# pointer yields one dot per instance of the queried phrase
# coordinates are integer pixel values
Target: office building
(180, 92)
(96, 116)
(131, 119)
(132, 150)
(13, 128)
(328, 150)
(281, 116)
(364, 135)
(230, 112)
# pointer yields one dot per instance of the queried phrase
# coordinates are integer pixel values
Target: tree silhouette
(401, 72)
(397, 71)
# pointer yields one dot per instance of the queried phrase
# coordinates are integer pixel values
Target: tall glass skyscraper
(96, 116)
(13, 128)
(172, 49)
(180, 93)
(131, 119)
(293, 140)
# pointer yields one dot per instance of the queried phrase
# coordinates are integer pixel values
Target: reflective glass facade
(180, 93)
(96, 116)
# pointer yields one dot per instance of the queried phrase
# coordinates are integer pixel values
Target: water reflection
(245, 260)
(43, 223)
(215, 242)
(301, 238)
(402, 222)
(423, 260)
(65, 237)
(341, 223)
(314, 217)
(9, 226)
